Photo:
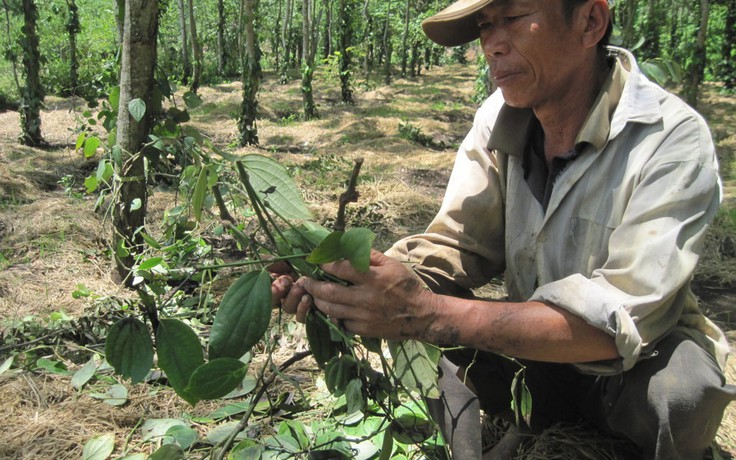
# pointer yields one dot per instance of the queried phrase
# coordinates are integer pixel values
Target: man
(590, 189)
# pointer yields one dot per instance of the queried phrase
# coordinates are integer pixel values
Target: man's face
(531, 50)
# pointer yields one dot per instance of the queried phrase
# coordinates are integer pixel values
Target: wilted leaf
(129, 349)
(83, 375)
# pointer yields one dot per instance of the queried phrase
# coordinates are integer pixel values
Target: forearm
(527, 330)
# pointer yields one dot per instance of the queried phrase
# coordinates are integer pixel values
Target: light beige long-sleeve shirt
(621, 235)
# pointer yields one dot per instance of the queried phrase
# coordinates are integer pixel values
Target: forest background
(316, 85)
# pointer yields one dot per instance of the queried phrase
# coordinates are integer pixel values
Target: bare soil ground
(52, 243)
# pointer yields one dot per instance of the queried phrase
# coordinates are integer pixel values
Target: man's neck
(562, 119)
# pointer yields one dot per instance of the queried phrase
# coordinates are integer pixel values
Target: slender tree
(135, 119)
(650, 32)
(728, 60)
(387, 48)
(32, 93)
(309, 47)
(251, 77)
(696, 70)
(405, 40)
(183, 37)
(221, 55)
(327, 30)
(283, 70)
(346, 29)
(73, 28)
(196, 50)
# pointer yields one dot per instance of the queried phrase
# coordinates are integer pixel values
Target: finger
(290, 303)
(302, 308)
(280, 288)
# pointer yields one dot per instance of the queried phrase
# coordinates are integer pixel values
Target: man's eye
(512, 18)
(485, 25)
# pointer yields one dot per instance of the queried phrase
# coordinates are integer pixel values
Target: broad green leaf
(199, 194)
(52, 366)
(183, 436)
(90, 146)
(168, 452)
(282, 443)
(411, 429)
(415, 364)
(114, 98)
(179, 355)
(91, 183)
(356, 244)
(329, 250)
(99, 447)
(192, 100)
(85, 373)
(247, 449)
(217, 378)
(387, 447)
(129, 349)
(243, 316)
(296, 430)
(137, 109)
(354, 396)
(266, 174)
(150, 263)
(521, 402)
(104, 171)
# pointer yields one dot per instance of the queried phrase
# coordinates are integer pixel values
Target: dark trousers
(669, 405)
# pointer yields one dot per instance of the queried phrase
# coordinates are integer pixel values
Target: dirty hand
(288, 291)
(387, 301)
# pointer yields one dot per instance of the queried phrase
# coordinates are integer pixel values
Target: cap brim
(456, 24)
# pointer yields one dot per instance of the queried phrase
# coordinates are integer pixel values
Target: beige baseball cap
(456, 24)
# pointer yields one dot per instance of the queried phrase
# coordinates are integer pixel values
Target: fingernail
(306, 299)
(284, 282)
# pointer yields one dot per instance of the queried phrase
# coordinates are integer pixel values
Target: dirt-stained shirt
(623, 226)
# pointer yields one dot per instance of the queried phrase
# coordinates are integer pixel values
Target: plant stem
(244, 263)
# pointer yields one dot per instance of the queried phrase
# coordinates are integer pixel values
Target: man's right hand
(289, 294)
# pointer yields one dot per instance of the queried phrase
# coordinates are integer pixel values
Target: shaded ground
(51, 243)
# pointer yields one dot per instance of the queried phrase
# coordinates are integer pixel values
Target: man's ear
(596, 17)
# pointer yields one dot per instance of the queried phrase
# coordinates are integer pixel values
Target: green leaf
(199, 193)
(85, 373)
(99, 447)
(168, 452)
(296, 430)
(265, 174)
(329, 250)
(415, 364)
(354, 396)
(129, 349)
(183, 436)
(150, 263)
(80, 141)
(52, 366)
(192, 100)
(243, 316)
(90, 146)
(137, 109)
(136, 204)
(217, 378)
(521, 402)
(114, 98)
(116, 395)
(179, 355)
(247, 449)
(411, 429)
(156, 428)
(91, 184)
(356, 246)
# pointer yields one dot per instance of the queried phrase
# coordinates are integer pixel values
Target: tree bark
(728, 70)
(345, 60)
(221, 55)
(251, 78)
(696, 70)
(405, 40)
(387, 47)
(185, 61)
(309, 50)
(73, 28)
(283, 71)
(196, 50)
(32, 94)
(327, 31)
(138, 62)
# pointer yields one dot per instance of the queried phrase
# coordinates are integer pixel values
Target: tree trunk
(221, 56)
(405, 41)
(185, 61)
(650, 31)
(73, 28)
(327, 31)
(119, 18)
(196, 50)
(32, 95)
(728, 70)
(284, 70)
(387, 46)
(696, 70)
(345, 42)
(136, 83)
(368, 40)
(309, 50)
(251, 78)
